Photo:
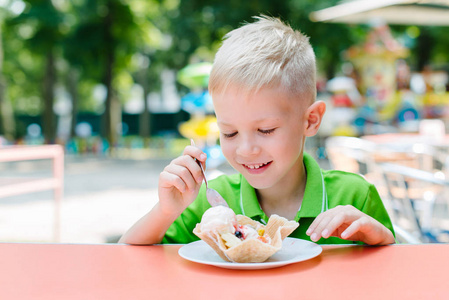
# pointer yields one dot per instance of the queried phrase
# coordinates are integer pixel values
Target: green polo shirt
(324, 190)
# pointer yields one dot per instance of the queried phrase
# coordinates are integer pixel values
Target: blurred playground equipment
(392, 97)
(379, 90)
(202, 125)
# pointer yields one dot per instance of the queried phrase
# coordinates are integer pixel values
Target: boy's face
(262, 134)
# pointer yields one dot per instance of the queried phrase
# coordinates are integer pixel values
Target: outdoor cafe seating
(410, 177)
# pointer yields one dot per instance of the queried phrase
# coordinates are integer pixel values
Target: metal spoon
(212, 195)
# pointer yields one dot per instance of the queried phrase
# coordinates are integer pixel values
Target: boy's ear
(314, 115)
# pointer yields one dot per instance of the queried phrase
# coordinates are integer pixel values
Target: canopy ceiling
(404, 12)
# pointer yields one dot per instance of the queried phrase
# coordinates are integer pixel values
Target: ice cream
(238, 238)
(219, 218)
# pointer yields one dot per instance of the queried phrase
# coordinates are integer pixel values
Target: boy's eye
(267, 131)
(229, 135)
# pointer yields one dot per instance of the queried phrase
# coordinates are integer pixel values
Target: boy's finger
(195, 152)
(320, 224)
(351, 230)
(363, 224)
(318, 220)
(333, 225)
(168, 180)
(312, 226)
(195, 169)
(184, 174)
(191, 165)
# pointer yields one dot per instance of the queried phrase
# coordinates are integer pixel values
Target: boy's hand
(180, 181)
(348, 223)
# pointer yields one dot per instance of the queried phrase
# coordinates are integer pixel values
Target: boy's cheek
(226, 148)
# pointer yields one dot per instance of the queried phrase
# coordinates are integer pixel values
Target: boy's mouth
(257, 167)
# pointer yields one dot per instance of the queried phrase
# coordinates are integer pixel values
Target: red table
(70, 271)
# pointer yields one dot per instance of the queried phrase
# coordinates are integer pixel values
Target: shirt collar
(314, 199)
(314, 195)
(249, 204)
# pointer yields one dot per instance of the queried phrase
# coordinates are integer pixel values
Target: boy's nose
(247, 148)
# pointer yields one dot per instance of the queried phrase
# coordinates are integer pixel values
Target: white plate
(293, 251)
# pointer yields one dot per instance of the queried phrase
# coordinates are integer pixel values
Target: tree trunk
(7, 123)
(48, 116)
(112, 115)
(72, 84)
(145, 116)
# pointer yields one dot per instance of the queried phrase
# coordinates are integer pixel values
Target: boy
(263, 89)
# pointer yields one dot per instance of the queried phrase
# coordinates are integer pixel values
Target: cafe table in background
(431, 132)
(115, 271)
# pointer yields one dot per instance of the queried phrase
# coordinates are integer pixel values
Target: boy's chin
(259, 184)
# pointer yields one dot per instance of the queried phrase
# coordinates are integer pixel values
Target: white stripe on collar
(241, 197)
(324, 202)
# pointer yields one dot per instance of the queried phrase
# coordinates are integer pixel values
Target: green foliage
(147, 36)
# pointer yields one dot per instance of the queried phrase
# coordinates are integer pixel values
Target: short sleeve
(181, 231)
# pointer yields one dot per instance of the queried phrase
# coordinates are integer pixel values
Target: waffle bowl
(251, 250)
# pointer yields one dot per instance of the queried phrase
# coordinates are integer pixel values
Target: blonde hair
(266, 53)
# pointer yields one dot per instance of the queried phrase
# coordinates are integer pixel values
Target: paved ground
(103, 198)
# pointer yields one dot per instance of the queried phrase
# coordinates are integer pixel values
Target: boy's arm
(349, 223)
(179, 185)
(150, 229)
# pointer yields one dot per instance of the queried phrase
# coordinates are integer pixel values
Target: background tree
(202, 24)
(7, 123)
(101, 47)
(45, 22)
(116, 44)
(153, 38)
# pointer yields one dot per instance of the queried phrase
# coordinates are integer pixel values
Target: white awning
(403, 12)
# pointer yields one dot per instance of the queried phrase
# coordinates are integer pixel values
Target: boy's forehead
(248, 96)
(235, 99)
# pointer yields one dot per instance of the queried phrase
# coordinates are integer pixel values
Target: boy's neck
(284, 200)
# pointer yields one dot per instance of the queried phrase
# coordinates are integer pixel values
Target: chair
(404, 237)
(363, 157)
(356, 155)
(414, 194)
